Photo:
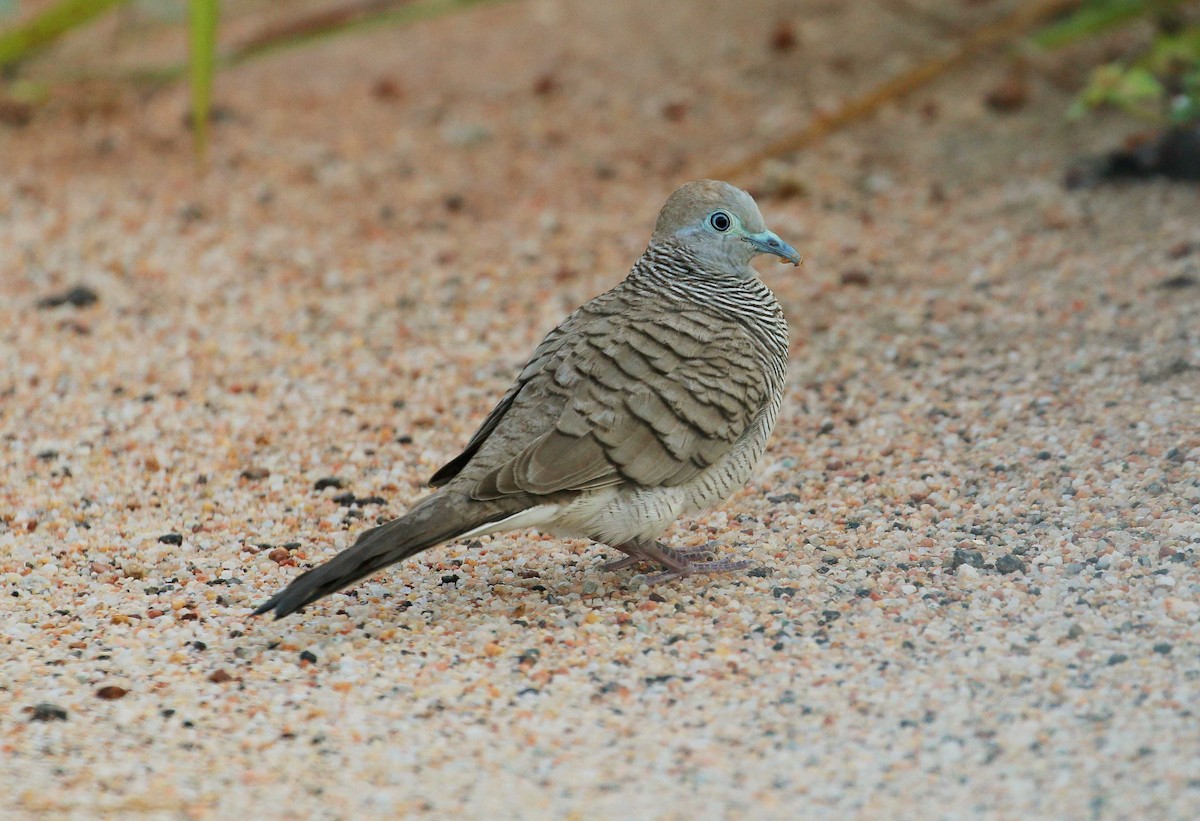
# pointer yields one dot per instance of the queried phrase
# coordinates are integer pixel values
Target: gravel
(984, 367)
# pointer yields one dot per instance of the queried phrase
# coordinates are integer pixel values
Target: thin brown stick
(310, 25)
(983, 39)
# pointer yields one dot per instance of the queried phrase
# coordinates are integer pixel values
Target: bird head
(721, 225)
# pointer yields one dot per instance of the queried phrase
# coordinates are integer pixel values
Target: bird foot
(677, 562)
(633, 558)
(692, 568)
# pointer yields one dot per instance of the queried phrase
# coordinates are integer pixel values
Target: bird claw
(677, 561)
(718, 566)
(632, 559)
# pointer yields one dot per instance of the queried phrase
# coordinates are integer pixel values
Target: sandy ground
(977, 528)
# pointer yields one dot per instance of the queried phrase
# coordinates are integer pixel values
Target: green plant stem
(202, 41)
(20, 42)
(1094, 18)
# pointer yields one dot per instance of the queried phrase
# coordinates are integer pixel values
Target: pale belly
(618, 515)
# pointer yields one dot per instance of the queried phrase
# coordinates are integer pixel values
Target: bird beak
(766, 242)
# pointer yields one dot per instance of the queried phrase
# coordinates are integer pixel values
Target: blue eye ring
(720, 221)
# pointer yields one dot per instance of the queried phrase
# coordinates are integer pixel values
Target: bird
(650, 402)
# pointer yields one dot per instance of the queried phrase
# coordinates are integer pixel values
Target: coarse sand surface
(976, 531)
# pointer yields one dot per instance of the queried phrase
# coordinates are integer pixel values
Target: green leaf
(1094, 17)
(202, 66)
(21, 41)
(1134, 90)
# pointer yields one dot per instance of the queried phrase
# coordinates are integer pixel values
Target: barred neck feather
(671, 270)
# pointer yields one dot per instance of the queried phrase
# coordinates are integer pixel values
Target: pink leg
(676, 561)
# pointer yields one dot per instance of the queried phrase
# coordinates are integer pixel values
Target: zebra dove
(652, 401)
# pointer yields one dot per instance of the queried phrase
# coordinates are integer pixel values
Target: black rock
(46, 712)
(309, 656)
(330, 481)
(1174, 154)
(963, 556)
(1177, 282)
(344, 499)
(1010, 564)
(80, 296)
(1163, 648)
(1117, 658)
(171, 538)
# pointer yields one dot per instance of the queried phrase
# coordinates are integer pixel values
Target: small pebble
(1009, 563)
(80, 296)
(46, 712)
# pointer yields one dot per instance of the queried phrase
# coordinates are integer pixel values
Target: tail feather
(437, 519)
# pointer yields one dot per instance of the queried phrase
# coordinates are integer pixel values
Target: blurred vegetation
(1161, 85)
(20, 42)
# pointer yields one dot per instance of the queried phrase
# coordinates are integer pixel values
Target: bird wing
(548, 347)
(621, 395)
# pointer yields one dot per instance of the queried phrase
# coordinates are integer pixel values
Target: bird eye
(720, 221)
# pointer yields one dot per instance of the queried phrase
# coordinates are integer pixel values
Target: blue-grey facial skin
(767, 242)
(721, 226)
(734, 248)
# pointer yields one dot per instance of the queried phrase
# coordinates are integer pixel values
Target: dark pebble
(344, 499)
(1010, 564)
(760, 572)
(171, 538)
(308, 656)
(47, 455)
(1117, 658)
(404, 440)
(780, 592)
(46, 712)
(856, 277)
(111, 692)
(1177, 282)
(80, 296)
(329, 481)
(450, 579)
(830, 615)
(963, 556)
(1163, 648)
(363, 501)
(784, 497)
(255, 473)
(219, 677)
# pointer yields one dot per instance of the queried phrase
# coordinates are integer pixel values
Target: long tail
(434, 520)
